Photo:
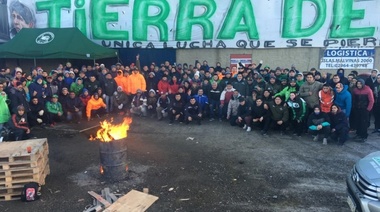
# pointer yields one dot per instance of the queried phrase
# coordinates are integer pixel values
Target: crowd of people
(249, 96)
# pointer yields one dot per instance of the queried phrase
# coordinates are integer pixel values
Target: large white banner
(247, 24)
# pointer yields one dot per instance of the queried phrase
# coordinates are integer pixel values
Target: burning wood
(109, 132)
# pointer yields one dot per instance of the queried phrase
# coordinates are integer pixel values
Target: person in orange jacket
(136, 81)
(122, 81)
(95, 106)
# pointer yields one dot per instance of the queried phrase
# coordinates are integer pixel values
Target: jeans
(215, 105)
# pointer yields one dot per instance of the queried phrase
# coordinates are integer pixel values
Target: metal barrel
(113, 159)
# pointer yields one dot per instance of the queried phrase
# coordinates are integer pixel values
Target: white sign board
(348, 58)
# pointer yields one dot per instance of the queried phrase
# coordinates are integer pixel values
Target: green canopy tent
(54, 43)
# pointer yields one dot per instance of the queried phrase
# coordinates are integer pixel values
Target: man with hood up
(362, 99)
(319, 124)
(120, 100)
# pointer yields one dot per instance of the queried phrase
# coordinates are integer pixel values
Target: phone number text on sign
(350, 58)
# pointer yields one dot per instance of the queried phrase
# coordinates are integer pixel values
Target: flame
(126, 168)
(101, 170)
(110, 132)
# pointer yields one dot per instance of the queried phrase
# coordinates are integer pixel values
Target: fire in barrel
(113, 148)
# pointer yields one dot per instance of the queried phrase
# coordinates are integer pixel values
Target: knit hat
(84, 90)
(18, 83)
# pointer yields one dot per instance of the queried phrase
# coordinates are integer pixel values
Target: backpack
(30, 192)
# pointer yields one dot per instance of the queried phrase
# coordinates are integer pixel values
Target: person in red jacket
(163, 85)
(362, 101)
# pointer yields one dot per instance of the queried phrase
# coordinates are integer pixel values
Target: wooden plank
(134, 201)
(94, 208)
(107, 194)
(100, 199)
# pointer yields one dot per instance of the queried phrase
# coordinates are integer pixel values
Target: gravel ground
(212, 167)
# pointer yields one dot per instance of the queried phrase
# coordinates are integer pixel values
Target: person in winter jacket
(139, 104)
(54, 111)
(260, 116)
(279, 115)
(326, 98)
(244, 115)
(74, 107)
(36, 89)
(17, 97)
(4, 110)
(163, 85)
(376, 106)
(193, 111)
(362, 100)
(120, 100)
(152, 103)
(225, 98)
(292, 87)
(232, 108)
(176, 111)
(77, 86)
(298, 112)
(309, 91)
(95, 106)
(339, 125)
(319, 124)
(241, 85)
(163, 104)
(122, 81)
(214, 101)
(37, 115)
(18, 124)
(136, 81)
(109, 87)
(343, 98)
(92, 85)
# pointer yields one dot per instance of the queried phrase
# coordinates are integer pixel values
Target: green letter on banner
(54, 8)
(343, 15)
(100, 18)
(186, 19)
(239, 10)
(141, 19)
(293, 18)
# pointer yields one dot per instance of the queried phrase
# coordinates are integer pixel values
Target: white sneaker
(245, 127)
(248, 129)
(324, 141)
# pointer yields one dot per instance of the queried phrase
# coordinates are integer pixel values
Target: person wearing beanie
(362, 100)
(120, 101)
(18, 124)
(319, 124)
(151, 103)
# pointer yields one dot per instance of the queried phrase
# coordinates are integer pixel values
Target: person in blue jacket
(343, 98)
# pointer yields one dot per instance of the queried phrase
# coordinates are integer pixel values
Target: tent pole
(35, 64)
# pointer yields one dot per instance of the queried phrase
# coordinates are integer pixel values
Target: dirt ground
(212, 167)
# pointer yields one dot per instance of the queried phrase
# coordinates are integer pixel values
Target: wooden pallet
(18, 167)
(17, 151)
(134, 201)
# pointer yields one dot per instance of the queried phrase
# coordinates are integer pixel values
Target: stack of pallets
(18, 167)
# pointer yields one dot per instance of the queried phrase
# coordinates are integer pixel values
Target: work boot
(324, 141)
